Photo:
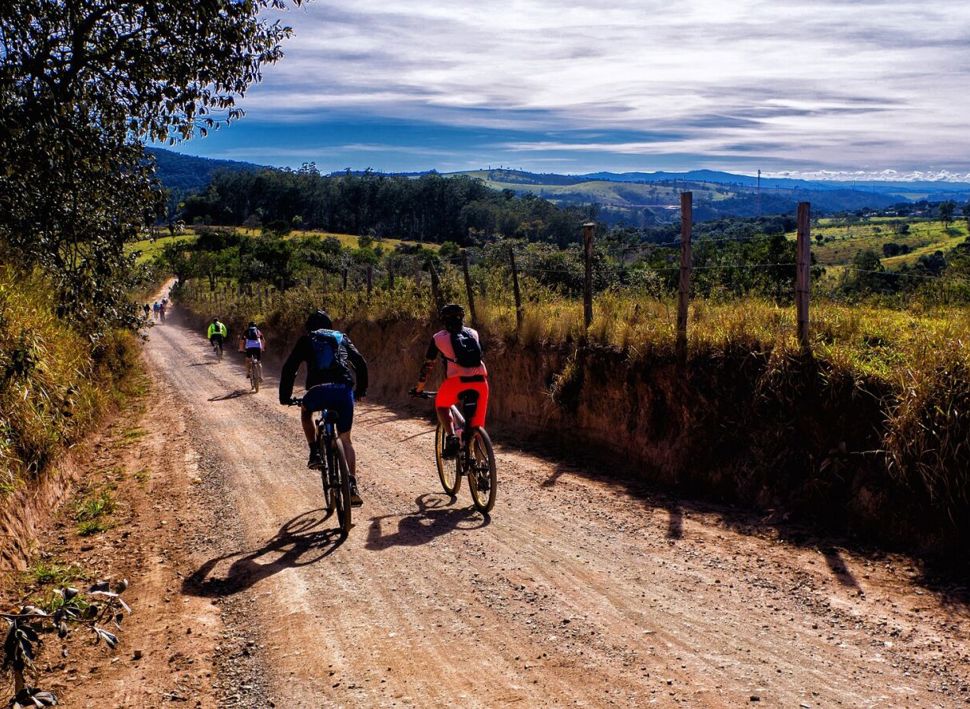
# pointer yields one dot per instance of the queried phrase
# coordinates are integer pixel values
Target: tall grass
(54, 382)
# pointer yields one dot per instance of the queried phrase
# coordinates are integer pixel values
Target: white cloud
(835, 84)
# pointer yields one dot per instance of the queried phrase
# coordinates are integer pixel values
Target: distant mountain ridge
(890, 187)
(188, 173)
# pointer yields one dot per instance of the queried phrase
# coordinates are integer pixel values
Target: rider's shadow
(300, 542)
(432, 520)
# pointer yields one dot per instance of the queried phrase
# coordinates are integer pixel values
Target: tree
(83, 83)
(965, 211)
(947, 209)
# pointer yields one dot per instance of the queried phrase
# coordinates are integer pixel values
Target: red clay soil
(579, 590)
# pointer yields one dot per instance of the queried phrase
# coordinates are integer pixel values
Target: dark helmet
(252, 323)
(215, 320)
(452, 316)
(452, 310)
(318, 321)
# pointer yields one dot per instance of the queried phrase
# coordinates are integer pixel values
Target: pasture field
(346, 240)
(147, 249)
(843, 241)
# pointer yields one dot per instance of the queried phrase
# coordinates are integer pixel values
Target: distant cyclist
(162, 308)
(330, 356)
(461, 350)
(155, 309)
(217, 334)
(252, 343)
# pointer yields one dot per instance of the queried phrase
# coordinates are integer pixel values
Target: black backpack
(468, 352)
(252, 333)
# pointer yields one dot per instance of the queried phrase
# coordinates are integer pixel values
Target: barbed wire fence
(355, 288)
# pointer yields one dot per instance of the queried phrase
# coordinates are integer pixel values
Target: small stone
(136, 655)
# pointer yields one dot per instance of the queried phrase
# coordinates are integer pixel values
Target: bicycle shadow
(300, 542)
(235, 394)
(432, 520)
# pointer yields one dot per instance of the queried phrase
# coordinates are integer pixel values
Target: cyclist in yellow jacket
(217, 334)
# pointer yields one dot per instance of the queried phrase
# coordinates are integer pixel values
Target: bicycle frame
(326, 429)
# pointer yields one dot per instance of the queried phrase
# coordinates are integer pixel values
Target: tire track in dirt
(575, 592)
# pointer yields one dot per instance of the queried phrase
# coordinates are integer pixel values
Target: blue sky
(845, 90)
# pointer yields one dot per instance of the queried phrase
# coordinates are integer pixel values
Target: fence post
(468, 286)
(803, 273)
(370, 280)
(588, 228)
(436, 289)
(515, 290)
(390, 278)
(683, 290)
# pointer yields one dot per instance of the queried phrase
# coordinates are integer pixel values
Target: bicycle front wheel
(254, 376)
(342, 491)
(447, 469)
(329, 490)
(482, 476)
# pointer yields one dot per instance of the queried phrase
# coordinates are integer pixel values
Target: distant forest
(427, 208)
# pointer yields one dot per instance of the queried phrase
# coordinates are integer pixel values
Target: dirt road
(577, 591)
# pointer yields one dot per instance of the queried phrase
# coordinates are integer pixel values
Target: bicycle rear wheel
(447, 469)
(254, 376)
(482, 476)
(342, 490)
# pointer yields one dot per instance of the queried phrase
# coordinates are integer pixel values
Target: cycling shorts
(453, 386)
(254, 352)
(216, 339)
(338, 398)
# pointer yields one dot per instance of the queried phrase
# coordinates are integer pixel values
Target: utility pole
(759, 193)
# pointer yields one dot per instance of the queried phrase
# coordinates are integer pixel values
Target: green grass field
(623, 194)
(346, 240)
(842, 242)
(147, 249)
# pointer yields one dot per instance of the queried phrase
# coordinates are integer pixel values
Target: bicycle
(217, 347)
(475, 459)
(255, 370)
(335, 473)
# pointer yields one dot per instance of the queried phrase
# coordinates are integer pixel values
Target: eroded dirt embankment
(739, 427)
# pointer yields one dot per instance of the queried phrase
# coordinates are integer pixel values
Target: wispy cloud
(836, 85)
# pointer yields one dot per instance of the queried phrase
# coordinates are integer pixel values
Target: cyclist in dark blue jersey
(336, 376)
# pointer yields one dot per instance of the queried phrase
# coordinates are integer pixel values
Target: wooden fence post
(468, 286)
(588, 228)
(436, 289)
(370, 280)
(803, 274)
(515, 290)
(683, 290)
(390, 278)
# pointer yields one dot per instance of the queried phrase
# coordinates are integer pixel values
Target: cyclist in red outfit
(460, 348)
